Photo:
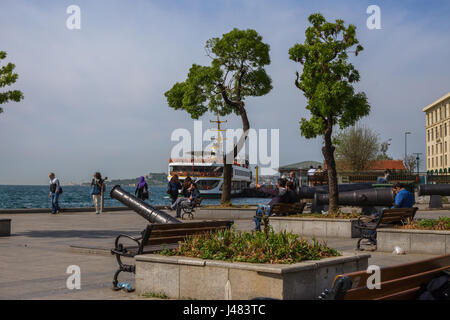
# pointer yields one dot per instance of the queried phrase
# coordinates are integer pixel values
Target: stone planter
(225, 213)
(414, 241)
(191, 278)
(5, 227)
(316, 227)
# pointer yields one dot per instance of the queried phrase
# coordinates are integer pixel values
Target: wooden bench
(286, 209)
(369, 224)
(157, 237)
(189, 209)
(401, 282)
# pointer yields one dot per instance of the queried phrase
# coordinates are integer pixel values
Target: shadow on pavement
(89, 234)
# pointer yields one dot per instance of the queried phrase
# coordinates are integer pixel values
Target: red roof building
(373, 166)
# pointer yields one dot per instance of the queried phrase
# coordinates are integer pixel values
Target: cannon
(308, 192)
(162, 232)
(367, 199)
(145, 210)
(435, 191)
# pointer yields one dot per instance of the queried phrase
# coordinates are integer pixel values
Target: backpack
(437, 289)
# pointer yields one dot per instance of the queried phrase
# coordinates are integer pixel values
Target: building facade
(437, 123)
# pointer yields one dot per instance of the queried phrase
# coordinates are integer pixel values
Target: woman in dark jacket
(173, 187)
(186, 185)
(96, 191)
(142, 189)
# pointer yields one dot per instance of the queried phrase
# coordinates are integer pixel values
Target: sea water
(17, 197)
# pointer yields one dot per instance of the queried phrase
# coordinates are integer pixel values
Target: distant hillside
(158, 179)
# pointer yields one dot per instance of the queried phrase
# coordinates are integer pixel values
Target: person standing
(55, 191)
(295, 183)
(173, 187)
(96, 191)
(142, 189)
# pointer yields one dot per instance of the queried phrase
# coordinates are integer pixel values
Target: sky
(94, 97)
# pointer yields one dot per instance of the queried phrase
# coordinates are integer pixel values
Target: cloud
(94, 98)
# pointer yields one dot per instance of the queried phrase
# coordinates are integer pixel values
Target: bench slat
(359, 278)
(392, 286)
(409, 294)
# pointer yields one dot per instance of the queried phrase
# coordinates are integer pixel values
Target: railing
(402, 177)
(197, 174)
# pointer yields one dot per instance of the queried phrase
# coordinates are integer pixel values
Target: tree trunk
(226, 186)
(228, 168)
(328, 153)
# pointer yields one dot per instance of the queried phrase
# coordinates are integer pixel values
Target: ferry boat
(206, 169)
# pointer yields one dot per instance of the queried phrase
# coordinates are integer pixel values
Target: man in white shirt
(55, 190)
(311, 173)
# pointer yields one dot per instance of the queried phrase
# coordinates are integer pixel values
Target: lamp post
(417, 161)
(406, 135)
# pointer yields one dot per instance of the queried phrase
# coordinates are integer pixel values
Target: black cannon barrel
(140, 207)
(434, 190)
(359, 198)
(308, 192)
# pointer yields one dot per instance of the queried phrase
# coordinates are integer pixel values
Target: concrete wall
(414, 241)
(5, 227)
(225, 213)
(316, 227)
(190, 278)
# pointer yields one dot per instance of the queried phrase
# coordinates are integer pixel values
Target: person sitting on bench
(280, 193)
(403, 198)
(280, 196)
(292, 196)
(180, 202)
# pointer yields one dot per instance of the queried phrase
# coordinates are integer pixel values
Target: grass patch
(158, 295)
(443, 223)
(330, 215)
(254, 247)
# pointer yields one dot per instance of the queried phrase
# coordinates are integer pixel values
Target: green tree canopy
(356, 147)
(326, 82)
(236, 72)
(7, 78)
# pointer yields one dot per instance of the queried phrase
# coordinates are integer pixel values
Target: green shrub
(255, 247)
(443, 223)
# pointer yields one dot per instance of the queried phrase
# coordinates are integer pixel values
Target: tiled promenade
(33, 261)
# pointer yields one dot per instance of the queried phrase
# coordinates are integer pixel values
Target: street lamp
(406, 135)
(417, 161)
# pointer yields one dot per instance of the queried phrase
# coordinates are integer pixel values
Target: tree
(236, 72)
(326, 82)
(356, 147)
(7, 78)
(410, 163)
